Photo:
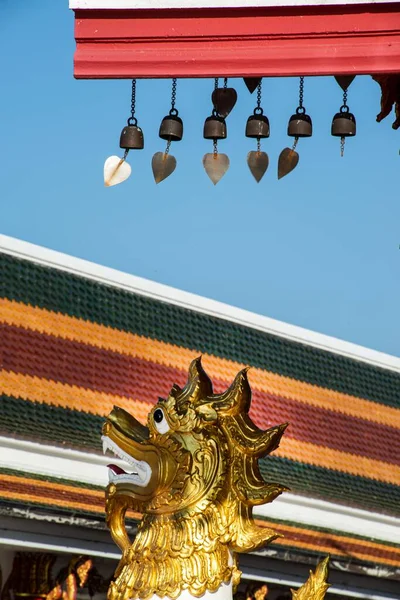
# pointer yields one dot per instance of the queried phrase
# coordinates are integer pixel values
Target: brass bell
(214, 127)
(300, 124)
(131, 137)
(257, 125)
(171, 128)
(343, 123)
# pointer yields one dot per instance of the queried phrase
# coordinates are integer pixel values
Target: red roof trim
(284, 41)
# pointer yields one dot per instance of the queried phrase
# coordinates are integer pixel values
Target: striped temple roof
(72, 347)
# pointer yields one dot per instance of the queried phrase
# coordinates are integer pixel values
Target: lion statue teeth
(195, 479)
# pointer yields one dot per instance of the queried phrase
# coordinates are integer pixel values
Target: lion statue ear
(237, 398)
(207, 412)
(197, 388)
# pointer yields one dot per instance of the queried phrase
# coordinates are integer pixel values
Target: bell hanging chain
(132, 119)
(342, 109)
(343, 139)
(259, 93)
(345, 97)
(173, 98)
(301, 92)
(260, 111)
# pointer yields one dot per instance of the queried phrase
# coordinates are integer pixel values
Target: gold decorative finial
(316, 586)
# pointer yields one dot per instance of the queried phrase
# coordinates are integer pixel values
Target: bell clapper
(171, 130)
(215, 149)
(342, 141)
(257, 127)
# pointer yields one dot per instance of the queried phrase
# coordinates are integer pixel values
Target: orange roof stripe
(72, 328)
(56, 393)
(329, 550)
(291, 530)
(322, 456)
(60, 394)
(41, 483)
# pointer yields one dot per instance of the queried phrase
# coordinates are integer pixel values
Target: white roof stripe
(164, 293)
(85, 467)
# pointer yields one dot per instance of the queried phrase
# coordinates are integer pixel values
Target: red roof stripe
(73, 363)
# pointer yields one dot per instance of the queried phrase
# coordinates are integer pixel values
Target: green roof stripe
(82, 431)
(50, 424)
(56, 290)
(350, 490)
(48, 478)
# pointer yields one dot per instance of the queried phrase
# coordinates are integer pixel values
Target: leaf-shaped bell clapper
(344, 123)
(171, 128)
(131, 136)
(214, 127)
(300, 124)
(257, 125)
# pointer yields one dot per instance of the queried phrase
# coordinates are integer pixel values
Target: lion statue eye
(160, 421)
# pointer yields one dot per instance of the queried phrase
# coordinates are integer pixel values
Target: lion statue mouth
(141, 473)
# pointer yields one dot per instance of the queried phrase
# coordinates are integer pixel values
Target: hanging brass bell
(131, 137)
(343, 123)
(257, 125)
(300, 124)
(171, 128)
(214, 127)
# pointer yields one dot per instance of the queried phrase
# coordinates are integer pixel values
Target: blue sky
(319, 249)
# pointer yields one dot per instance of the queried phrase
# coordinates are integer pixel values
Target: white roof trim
(51, 461)
(184, 4)
(164, 293)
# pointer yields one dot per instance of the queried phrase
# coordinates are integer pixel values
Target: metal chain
(216, 83)
(173, 110)
(173, 94)
(296, 139)
(215, 145)
(132, 119)
(345, 97)
(259, 110)
(168, 147)
(301, 92)
(259, 91)
(225, 82)
(342, 141)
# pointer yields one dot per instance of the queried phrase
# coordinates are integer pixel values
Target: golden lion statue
(195, 479)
